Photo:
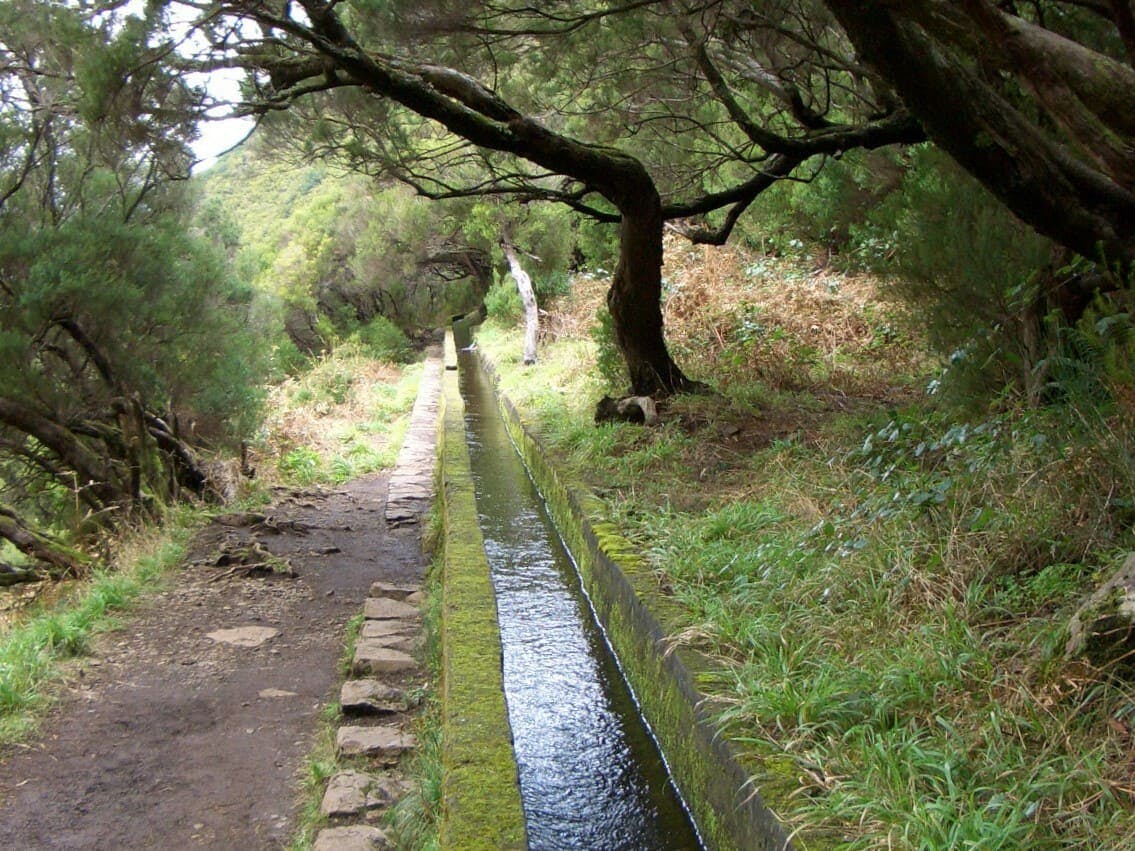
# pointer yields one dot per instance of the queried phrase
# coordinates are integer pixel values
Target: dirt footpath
(167, 737)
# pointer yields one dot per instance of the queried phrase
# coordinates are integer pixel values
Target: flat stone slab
(244, 636)
(276, 692)
(387, 791)
(377, 629)
(411, 484)
(361, 837)
(386, 744)
(372, 657)
(394, 592)
(346, 794)
(380, 608)
(402, 643)
(353, 793)
(370, 697)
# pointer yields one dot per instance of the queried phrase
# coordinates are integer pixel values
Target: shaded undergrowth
(343, 418)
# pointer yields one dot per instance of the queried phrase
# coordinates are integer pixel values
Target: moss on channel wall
(480, 791)
(729, 813)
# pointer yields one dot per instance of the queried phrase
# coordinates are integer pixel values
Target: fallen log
(12, 575)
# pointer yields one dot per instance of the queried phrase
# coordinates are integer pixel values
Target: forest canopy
(635, 117)
(649, 112)
(122, 330)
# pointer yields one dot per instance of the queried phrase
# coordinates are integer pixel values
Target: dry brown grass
(735, 315)
(743, 316)
(572, 316)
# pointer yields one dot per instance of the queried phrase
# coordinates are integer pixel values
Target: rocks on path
(188, 727)
(375, 738)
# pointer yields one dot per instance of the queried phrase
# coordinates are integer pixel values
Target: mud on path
(166, 737)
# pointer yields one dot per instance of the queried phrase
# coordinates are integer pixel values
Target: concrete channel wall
(637, 619)
(481, 806)
(726, 806)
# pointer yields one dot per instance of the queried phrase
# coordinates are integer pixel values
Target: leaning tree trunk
(468, 109)
(635, 300)
(97, 485)
(185, 470)
(1060, 194)
(63, 561)
(12, 575)
(528, 297)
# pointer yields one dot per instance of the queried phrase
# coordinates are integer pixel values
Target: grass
(886, 583)
(415, 820)
(342, 419)
(34, 650)
(900, 641)
(321, 766)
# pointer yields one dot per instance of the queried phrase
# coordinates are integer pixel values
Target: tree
(1035, 100)
(327, 251)
(115, 320)
(341, 65)
(528, 297)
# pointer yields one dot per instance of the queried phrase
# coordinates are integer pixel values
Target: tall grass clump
(893, 618)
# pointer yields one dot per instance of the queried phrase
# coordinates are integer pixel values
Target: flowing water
(591, 776)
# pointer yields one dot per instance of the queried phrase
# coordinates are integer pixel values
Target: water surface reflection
(590, 775)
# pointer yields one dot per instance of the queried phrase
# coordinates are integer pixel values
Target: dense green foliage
(334, 256)
(983, 287)
(124, 347)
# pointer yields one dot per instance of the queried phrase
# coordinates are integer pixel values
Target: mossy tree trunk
(1062, 159)
(635, 300)
(62, 560)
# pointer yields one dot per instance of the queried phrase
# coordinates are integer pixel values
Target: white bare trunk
(528, 296)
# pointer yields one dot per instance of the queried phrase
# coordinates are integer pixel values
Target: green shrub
(502, 301)
(1092, 362)
(287, 359)
(827, 211)
(554, 283)
(302, 466)
(970, 270)
(609, 359)
(382, 339)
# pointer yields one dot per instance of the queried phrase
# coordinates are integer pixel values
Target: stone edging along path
(720, 793)
(374, 700)
(411, 483)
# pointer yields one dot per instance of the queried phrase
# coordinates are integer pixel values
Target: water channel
(591, 776)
